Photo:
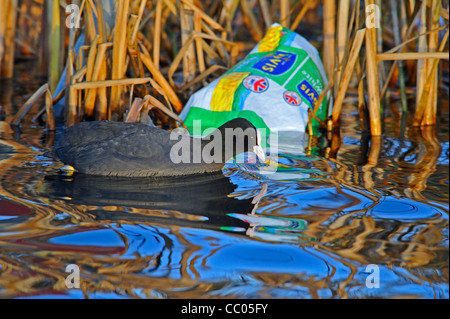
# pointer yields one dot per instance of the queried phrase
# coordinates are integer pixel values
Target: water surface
(357, 201)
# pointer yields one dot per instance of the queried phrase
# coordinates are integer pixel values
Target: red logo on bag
(256, 83)
(292, 98)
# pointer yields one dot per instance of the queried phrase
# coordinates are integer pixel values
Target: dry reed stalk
(109, 83)
(397, 39)
(250, 21)
(133, 112)
(210, 21)
(388, 78)
(3, 17)
(220, 47)
(379, 48)
(28, 104)
(80, 57)
(342, 28)
(140, 13)
(403, 20)
(142, 39)
(227, 14)
(119, 54)
(329, 35)
(53, 16)
(160, 91)
(420, 110)
(353, 16)
(92, 7)
(284, 13)
(102, 110)
(210, 53)
(138, 66)
(64, 32)
(203, 75)
(421, 64)
(360, 76)
(89, 22)
(73, 114)
(68, 80)
(372, 82)
(72, 107)
(78, 76)
(404, 43)
(429, 117)
(336, 142)
(160, 79)
(171, 6)
(38, 114)
(402, 46)
(97, 97)
(346, 75)
(176, 61)
(164, 108)
(50, 122)
(157, 33)
(89, 101)
(59, 96)
(101, 20)
(319, 101)
(301, 14)
(412, 56)
(361, 105)
(8, 16)
(168, 41)
(198, 44)
(265, 13)
(73, 31)
(187, 28)
(131, 27)
(43, 54)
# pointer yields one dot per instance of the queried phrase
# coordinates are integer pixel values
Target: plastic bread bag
(273, 87)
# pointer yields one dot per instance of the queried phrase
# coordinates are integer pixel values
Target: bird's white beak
(260, 153)
(257, 149)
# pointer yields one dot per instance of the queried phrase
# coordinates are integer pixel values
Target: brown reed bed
(144, 58)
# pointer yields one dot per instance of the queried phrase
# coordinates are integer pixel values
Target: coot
(133, 149)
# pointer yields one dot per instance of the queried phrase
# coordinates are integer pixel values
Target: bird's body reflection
(206, 200)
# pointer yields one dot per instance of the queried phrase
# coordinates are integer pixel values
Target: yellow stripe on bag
(271, 40)
(223, 95)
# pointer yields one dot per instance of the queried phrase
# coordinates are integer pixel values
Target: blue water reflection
(309, 234)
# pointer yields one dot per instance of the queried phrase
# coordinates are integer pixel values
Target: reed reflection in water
(381, 201)
(383, 204)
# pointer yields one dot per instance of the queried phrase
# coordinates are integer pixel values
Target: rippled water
(380, 201)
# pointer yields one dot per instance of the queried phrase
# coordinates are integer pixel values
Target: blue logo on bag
(308, 92)
(276, 63)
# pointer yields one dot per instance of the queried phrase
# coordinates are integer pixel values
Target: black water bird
(137, 150)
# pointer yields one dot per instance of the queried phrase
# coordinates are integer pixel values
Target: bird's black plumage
(133, 149)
